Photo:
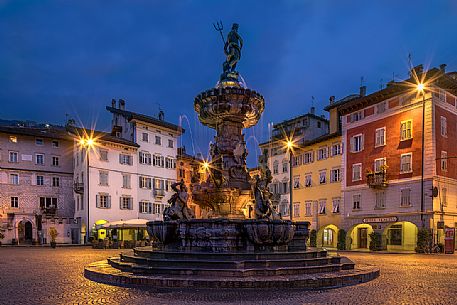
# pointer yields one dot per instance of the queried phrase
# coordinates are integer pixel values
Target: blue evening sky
(73, 57)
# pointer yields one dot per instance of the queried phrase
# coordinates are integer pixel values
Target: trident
(219, 27)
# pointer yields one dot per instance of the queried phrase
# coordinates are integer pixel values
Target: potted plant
(53, 233)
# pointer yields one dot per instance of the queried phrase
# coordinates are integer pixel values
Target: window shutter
(120, 202)
(130, 203)
(120, 158)
(362, 140)
(139, 206)
(109, 202)
(97, 201)
(139, 181)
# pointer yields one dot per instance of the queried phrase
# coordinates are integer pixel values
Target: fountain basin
(269, 233)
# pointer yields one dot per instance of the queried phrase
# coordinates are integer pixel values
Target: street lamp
(421, 90)
(87, 142)
(290, 145)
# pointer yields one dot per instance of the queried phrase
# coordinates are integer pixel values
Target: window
(158, 161)
(357, 116)
(182, 173)
(103, 201)
(356, 201)
(357, 143)
(14, 202)
(13, 156)
(381, 107)
(125, 203)
(103, 178)
(55, 181)
(170, 163)
(335, 175)
(14, 179)
(336, 149)
(145, 158)
(284, 188)
(443, 126)
(284, 208)
(157, 208)
(297, 209)
(395, 235)
(126, 181)
(406, 130)
(308, 210)
(103, 154)
(296, 160)
(285, 167)
(55, 161)
(336, 205)
(39, 180)
(380, 200)
(405, 198)
(308, 157)
(444, 161)
(322, 153)
(444, 196)
(379, 164)
(170, 143)
(145, 137)
(308, 180)
(405, 163)
(48, 202)
(323, 177)
(39, 159)
(55, 143)
(145, 207)
(13, 139)
(322, 204)
(145, 182)
(39, 141)
(275, 167)
(380, 137)
(319, 124)
(296, 182)
(357, 172)
(158, 140)
(125, 159)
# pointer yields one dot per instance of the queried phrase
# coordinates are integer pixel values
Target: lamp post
(420, 89)
(87, 143)
(290, 145)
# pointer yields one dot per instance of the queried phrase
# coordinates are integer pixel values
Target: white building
(130, 171)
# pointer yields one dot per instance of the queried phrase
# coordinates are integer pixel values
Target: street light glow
(205, 165)
(420, 87)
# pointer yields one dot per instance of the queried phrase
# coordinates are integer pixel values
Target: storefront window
(395, 233)
(328, 237)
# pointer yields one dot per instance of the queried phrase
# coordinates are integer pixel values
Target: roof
(433, 76)
(101, 135)
(145, 118)
(341, 101)
(52, 132)
(285, 122)
(323, 138)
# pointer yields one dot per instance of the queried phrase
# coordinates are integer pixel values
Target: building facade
(396, 177)
(36, 184)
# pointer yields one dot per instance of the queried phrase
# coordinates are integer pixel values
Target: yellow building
(317, 187)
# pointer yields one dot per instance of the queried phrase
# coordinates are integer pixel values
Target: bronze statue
(232, 49)
(178, 208)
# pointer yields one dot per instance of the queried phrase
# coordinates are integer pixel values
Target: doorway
(362, 234)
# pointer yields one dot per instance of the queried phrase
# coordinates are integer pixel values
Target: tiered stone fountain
(232, 247)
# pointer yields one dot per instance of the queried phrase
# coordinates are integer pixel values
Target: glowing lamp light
(290, 144)
(90, 142)
(82, 141)
(420, 87)
(205, 165)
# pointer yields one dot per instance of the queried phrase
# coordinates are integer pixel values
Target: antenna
(381, 84)
(362, 81)
(312, 101)
(410, 60)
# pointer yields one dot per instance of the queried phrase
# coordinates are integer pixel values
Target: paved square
(55, 276)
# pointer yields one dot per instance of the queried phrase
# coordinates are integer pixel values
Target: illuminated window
(444, 161)
(395, 235)
(13, 139)
(379, 164)
(443, 126)
(406, 130)
(357, 143)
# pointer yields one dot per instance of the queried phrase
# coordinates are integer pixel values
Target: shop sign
(440, 225)
(449, 240)
(380, 219)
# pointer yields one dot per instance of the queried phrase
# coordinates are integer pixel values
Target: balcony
(50, 210)
(78, 187)
(159, 193)
(377, 180)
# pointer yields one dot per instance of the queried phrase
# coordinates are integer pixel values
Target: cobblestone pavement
(55, 276)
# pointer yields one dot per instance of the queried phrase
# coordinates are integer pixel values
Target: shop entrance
(362, 238)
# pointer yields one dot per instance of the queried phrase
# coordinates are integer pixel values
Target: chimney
(161, 115)
(121, 104)
(443, 68)
(363, 90)
(312, 110)
(332, 99)
(113, 103)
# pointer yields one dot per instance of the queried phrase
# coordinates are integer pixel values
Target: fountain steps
(230, 264)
